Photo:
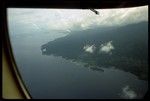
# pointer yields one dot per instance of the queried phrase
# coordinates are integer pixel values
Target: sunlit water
(54, 77)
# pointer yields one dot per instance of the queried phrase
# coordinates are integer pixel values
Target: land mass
(129, 53)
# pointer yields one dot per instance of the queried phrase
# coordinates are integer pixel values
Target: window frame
(67, 4)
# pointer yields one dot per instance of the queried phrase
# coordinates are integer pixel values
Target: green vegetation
(130, 48)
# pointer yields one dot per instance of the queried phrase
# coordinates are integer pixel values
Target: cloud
(68, 30)
(74, 19)
(106, 47)
(128, 93)
(89, 48)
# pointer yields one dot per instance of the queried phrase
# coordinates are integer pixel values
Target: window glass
(75, 53)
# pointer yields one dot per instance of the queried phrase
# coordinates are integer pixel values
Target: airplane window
(75, 53)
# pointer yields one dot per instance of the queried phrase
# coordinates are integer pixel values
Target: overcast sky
(70, 19)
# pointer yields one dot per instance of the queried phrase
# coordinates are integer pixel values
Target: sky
(73, 19)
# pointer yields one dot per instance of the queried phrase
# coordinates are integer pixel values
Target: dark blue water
(55, 77)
